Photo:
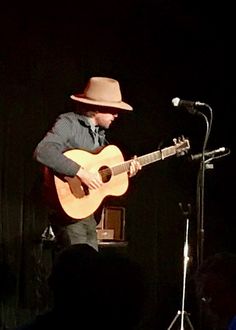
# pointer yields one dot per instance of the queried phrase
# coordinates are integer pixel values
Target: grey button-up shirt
(70, 131)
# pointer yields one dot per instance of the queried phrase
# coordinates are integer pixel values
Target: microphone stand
(201, 190)
(183, 314)
(200, 199)
(204, 165)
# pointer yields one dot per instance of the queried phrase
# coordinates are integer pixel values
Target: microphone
(212, 153)
(190, 106)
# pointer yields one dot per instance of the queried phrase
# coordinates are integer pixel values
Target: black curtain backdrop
(157, 50)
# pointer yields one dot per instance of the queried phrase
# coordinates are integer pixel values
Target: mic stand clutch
(182, 313)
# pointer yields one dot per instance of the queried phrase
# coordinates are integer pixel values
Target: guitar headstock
(182, 145)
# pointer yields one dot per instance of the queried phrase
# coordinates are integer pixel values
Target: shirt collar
(88, 122)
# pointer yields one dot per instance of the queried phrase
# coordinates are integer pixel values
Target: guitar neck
(145, 159)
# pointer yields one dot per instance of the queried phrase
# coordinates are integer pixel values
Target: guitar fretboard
(145, 159)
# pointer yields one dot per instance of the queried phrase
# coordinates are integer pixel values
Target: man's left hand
(134, 167)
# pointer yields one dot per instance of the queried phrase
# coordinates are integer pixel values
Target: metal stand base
(183, 315)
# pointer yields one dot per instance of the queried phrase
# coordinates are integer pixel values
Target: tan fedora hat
(102, 91)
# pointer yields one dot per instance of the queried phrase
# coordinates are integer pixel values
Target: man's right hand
(91, 180)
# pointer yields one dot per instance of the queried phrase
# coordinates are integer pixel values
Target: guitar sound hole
(105, 173)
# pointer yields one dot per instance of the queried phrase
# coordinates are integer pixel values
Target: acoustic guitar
(77, 201)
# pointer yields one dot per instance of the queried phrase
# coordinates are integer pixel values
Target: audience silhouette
(216, 287)
(91, 289)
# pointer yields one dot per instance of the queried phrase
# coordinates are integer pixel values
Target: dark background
(157, 50)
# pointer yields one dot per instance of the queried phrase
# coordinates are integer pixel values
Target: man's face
(104, 119)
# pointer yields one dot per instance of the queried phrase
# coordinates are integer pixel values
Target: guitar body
(75, 201)
(81, 207)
